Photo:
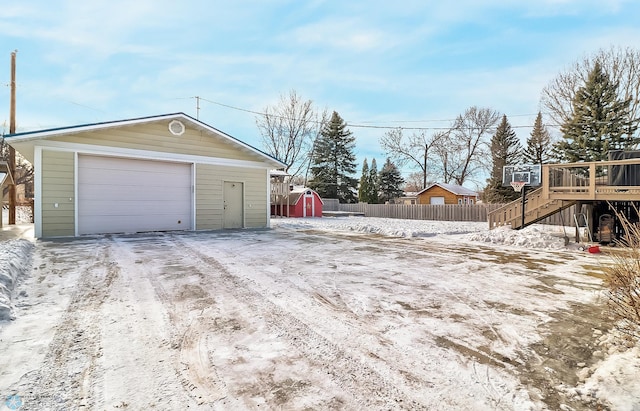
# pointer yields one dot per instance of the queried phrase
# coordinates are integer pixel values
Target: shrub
(622, 279)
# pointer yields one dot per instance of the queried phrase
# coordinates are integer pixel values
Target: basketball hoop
(517, 185)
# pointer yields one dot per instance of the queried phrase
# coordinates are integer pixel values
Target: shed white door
(437, 200)
(118, 195)
(309, 210)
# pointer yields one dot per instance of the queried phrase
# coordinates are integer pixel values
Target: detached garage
(160, 173)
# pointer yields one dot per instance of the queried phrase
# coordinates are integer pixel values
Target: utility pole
(197, 107)
(12, 151)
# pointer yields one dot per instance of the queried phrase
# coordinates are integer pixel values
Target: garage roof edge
(51, 132)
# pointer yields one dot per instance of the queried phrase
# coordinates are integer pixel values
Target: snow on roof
(453, 188)
(298, 191)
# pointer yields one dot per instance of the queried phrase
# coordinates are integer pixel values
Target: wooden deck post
(592, 180)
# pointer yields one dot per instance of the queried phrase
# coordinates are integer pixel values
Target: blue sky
(409, 62)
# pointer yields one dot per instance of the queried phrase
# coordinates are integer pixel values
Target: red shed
(303, 202)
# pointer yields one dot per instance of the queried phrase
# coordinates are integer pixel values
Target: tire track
(353, 375)
(409, 366)
(193, 370)
(68, 376)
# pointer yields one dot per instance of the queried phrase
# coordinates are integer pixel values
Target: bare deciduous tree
(24, 169)
(288, 130)
(621, 65)
(415, 150)
(413, 182)
(464, 152)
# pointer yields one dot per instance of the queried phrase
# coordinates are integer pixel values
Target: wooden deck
(566, 184)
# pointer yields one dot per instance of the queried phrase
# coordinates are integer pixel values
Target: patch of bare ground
(567, 347)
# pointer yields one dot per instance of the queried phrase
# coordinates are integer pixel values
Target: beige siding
(436, 191)
(209, 187)
(156, 137)
(58, 188)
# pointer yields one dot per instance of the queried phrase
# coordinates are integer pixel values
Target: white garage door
(437, 200)
(117, 195)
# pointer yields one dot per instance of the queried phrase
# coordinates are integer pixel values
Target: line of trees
(380, 187)
(595, 104)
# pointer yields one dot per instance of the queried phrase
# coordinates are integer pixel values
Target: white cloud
(368, 60)
(347, 34)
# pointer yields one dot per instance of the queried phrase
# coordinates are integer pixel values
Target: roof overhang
(29, 138)
(465, 193)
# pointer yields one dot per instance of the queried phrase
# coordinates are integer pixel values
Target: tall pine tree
(363, 189)
(600, 121)
(505, 150)
(333, 162)
(374, 183)
(391, 182)
(538, 150)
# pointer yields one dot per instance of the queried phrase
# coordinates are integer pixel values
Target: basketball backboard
(530, 174)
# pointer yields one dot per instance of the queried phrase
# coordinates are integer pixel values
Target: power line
(372, 125)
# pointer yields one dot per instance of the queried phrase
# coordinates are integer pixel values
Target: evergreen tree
(333, 162)
(538, 150)
(374, 184)
(600, 121)
(390, 182)
(505, 150)
(363, 189)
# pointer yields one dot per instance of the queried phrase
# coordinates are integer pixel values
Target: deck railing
(602, 180)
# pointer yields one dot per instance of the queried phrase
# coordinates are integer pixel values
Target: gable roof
(53, 132)
(452, 188)
(297, 192)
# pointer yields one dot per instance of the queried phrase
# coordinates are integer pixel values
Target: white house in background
(408, 197)
(158, 173)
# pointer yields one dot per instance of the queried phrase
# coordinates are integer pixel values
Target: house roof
(409, 194)
(278, 173)
(52, 132)
(452, 188)
(297, 192)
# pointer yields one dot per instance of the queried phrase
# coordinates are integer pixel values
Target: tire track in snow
(192, 367)
(362, 382)
(419, 372)
(67, 378)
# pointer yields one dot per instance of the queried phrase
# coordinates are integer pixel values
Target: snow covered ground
(332, 313)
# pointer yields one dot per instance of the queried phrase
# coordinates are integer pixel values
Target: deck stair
(537, 208)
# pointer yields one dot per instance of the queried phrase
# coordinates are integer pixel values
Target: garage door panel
(169, 208)
(142, 193)
(124, 224)
(130, 195)
(171, 177)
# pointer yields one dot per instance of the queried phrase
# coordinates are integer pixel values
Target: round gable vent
(176, 128)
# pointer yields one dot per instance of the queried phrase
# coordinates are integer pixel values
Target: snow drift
(15, 260)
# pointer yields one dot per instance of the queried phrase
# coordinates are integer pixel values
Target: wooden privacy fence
(447, 212)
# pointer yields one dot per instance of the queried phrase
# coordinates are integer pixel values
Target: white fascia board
(63, 131)
(37, 192)
(45, 134)
(277, 163)
(148, 155)
(76, 232)
(268, 198)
